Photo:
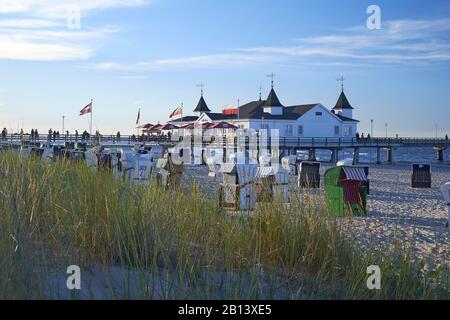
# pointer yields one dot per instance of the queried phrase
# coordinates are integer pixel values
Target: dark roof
(342, 102)
(221, 116)
(255, 110)
(272, 100)
(202, 106)
(340, 116)
(185, 119)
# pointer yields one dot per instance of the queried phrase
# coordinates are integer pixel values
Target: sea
(405, 155)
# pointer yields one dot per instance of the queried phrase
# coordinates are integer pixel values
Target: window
(318, 114)
(336, 131)
(300, 130)
(348, 131)
(288, 130)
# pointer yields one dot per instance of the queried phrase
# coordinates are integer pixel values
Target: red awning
(156, 127)
(145, 126)
(188, 126)
(224, 125)
(168, 126)
(207, 125)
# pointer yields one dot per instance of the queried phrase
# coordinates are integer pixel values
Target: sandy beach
(415, 217)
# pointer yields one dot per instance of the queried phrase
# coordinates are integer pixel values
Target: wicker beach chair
(309, 175)
(421, 175)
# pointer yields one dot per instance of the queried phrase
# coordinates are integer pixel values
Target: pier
(230, 142)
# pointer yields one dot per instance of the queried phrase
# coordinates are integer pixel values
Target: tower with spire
(343, 107)
(202, 107)
(273, 105)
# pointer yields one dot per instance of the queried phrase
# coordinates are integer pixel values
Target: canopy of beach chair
(355, 173)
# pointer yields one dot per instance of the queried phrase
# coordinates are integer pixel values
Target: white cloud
(412, 42)
(57, 9)
(39, 32)
(28, 23)
(205, 61)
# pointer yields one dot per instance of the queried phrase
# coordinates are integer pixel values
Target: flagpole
(138, 121)
(92, 111)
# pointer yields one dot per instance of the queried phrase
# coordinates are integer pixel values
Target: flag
(86, 110)
(138, 117)
(230, 110)
(177, 112)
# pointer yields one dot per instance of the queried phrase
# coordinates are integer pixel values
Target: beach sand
(414, 217)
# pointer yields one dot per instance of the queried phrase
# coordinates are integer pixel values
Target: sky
(152, 54)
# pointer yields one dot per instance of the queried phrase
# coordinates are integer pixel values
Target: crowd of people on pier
(54, 136)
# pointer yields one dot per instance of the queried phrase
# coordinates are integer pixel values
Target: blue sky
(152, 54)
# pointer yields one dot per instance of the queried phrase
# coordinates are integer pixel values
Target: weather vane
(201, 86)
(341, 80)
(272, 76)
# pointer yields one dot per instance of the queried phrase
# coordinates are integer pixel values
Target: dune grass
(146, 243)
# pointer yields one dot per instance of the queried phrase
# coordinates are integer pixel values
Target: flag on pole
(230, 110)
(86, 110)
(177, 112)
(138, 117)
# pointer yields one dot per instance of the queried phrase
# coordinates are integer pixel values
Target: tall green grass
(147, 243)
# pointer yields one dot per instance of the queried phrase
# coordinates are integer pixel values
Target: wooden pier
(231, 142)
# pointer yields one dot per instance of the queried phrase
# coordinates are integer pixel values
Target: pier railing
(284, 142)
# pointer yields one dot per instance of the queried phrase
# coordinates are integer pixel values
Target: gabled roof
(221, 116)
(342, 102)
(185, 119)
(255, 110)
(202, 106)
(272, 100)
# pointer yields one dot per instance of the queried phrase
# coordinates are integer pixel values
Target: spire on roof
(202, 106)
(272, 100)
(342, 103)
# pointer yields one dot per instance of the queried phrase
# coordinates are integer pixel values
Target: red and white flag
(86, 110)
(230, 110)
(177, 112)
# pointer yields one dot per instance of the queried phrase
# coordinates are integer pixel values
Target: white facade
(319, 122)
(304, 121)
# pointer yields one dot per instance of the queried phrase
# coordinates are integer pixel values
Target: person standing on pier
(76, 135)
(50, 134)
(36, 136)
(4, 134)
